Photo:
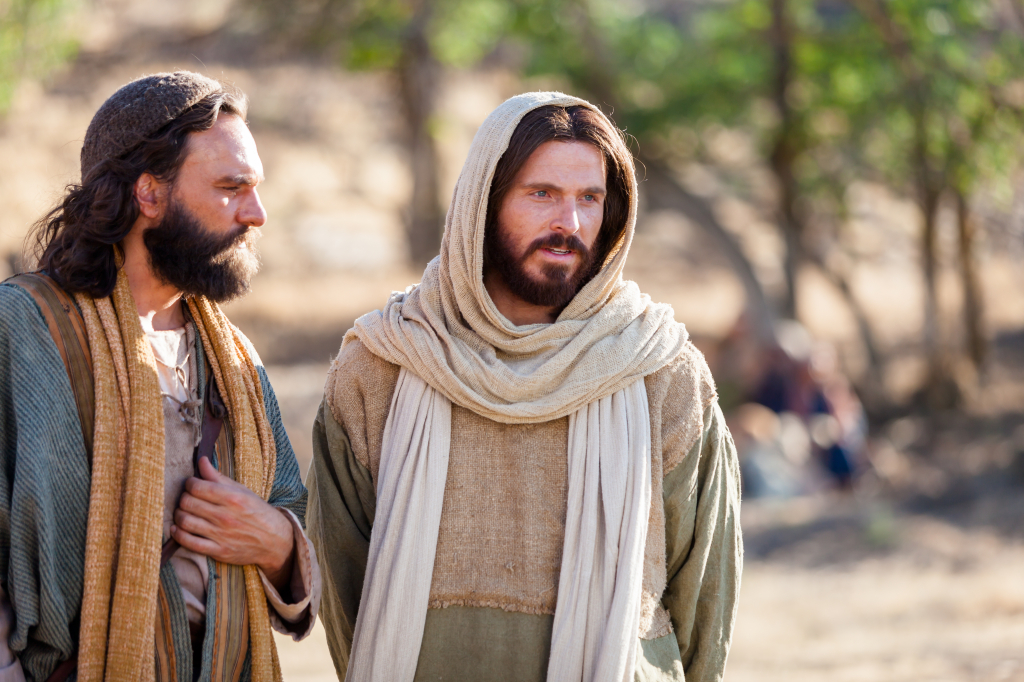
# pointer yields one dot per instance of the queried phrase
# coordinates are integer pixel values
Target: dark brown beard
(198, 262)
(560, 283)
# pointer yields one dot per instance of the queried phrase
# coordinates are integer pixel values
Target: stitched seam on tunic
(512, 606)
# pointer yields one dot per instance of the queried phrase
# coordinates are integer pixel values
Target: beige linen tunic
(174, 351)
(495, 575)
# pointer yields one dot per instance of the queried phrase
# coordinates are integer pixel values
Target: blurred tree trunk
(871, 387)
(418, 78)
(788, 145)
(784, 153)
(973, 305)
(928, 200)
(665, 192)
(939, 389)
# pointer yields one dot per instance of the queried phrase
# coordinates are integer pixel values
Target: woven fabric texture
(696, 474)
(44, 489)
(122, 549)
(139, 109)
(503, 522)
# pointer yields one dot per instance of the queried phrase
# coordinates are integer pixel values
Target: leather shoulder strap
(68, 331)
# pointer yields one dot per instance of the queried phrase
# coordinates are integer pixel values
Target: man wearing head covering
(151, 526)
(520, 468)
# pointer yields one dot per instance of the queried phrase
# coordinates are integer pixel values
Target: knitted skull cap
(138, 110)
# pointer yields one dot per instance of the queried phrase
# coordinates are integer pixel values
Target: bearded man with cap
(521, 471)
(152, 511)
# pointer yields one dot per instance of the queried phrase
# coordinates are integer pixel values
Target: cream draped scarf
(455, 347)
(122, 551)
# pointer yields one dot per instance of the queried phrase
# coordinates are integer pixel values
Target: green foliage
(867, 76)
(464, 32)
(460, 32)
(855, 99)
(33, 40)
(376, 34)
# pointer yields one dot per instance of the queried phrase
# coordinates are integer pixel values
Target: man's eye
(541, 193)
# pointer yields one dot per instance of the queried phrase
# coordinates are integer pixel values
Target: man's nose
(567, 218)
(251, 211)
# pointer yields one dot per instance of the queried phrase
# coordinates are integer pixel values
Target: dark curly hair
(76, 240)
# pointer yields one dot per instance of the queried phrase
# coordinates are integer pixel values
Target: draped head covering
(448, 331)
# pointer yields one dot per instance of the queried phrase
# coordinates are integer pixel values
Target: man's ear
(151, 196)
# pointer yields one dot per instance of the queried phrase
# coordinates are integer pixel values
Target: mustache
(558, 241)
(200, 262)
(217, 247)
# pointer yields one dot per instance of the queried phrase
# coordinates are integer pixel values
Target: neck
(516, 310)
(158, 303)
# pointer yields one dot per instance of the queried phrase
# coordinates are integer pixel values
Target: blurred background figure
(771, 465)
(800, 426)
(832, 201)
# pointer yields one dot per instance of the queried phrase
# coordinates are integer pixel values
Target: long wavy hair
(76, 241)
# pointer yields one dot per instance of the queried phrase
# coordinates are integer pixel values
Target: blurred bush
(34, 38)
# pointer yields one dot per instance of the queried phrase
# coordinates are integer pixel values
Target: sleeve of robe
(342, 500)
(293, 614)
(704, 549)
(44, 489)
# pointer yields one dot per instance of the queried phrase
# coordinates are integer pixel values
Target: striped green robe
(44, 497)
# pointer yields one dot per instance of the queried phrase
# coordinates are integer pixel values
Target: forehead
(227, 148)
(570, 160)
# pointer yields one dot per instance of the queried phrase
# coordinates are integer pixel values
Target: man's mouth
(559, 252)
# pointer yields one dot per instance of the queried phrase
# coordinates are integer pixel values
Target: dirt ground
(875, 620)
(893, 618)
(947, 605)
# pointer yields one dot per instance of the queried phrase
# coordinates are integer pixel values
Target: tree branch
(665, 192)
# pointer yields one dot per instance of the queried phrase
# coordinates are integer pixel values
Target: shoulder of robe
(23, 329)
(358, 379)
(18, 308)
(31, 368)
(683, 390)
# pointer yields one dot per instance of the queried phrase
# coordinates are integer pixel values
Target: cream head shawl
(455, 347)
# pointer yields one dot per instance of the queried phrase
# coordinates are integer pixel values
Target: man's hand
(226, 521)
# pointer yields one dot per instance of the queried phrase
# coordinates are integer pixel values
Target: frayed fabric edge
(510, 607)
(658, 628)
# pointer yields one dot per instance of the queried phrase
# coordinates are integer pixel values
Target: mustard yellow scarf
(123, 540)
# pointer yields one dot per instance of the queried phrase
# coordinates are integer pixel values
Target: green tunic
(44, 492)
(487, 622)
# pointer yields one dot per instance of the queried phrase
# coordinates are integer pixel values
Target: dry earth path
(889, 619)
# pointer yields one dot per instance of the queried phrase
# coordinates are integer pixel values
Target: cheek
(515, 241)
(514, 222)
(210, 206)
(591, 219)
